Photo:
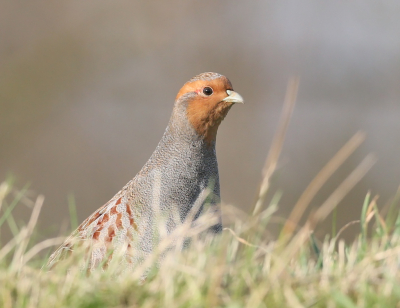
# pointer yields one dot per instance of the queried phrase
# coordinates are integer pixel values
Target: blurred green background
(87, 88)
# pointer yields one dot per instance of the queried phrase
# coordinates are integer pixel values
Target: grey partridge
(182, 170)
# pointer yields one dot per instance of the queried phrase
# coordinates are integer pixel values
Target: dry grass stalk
(26, 233)
(343, 189)
(318, 181)
(277, 143)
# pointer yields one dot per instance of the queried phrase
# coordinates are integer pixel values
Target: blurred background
(87, 88)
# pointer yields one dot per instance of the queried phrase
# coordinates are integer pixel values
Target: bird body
(182, 170)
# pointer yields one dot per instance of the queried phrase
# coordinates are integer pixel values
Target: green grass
(243, 267)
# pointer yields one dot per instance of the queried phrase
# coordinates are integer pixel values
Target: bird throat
(206, 120)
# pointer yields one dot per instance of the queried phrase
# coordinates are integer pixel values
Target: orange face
(210, 104)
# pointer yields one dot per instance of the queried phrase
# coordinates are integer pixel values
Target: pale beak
(233, 97)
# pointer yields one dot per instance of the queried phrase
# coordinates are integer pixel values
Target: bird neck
(181, 141)
(201, 129)
(185, 135)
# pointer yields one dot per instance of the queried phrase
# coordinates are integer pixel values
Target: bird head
(206, 99)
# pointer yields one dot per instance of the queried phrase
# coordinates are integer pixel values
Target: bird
(182, 170)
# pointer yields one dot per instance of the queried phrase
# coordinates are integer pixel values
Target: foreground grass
(241, 268)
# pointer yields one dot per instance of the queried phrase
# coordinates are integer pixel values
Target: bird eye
(207, 91)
